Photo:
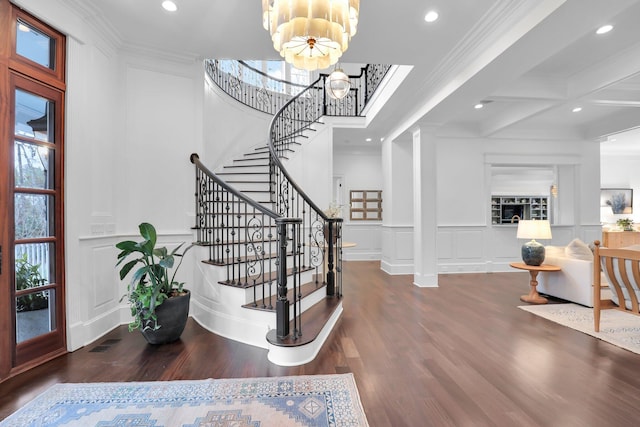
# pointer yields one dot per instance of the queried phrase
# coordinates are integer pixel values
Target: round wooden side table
(534, 297)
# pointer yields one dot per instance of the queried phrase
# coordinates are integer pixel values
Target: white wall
(360, 169)
(311, 166)
(161, 105)
(230, 127)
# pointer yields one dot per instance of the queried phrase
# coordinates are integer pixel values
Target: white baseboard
(396, 269)
(80, 334)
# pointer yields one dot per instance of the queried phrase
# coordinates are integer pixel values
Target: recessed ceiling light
(368, 139)
(604, 29)
(169, 6)
(478, 106)
(577, 109)
(431, 16)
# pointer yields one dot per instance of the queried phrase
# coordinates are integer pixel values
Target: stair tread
(269, 304)
(241, 259)
(313, 320)
(239, 242)
(242, 173)
(252, 159)
(235, 181)
(273, 275)
(244, 166)
(237, 201)
(266, 149)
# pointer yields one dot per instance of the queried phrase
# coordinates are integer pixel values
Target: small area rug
(617, 328)
(314, 400)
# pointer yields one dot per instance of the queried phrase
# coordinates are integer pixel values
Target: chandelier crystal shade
(311, 34)
(338, 84)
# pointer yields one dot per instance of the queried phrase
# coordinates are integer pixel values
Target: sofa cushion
(553, 251)
(577, 249)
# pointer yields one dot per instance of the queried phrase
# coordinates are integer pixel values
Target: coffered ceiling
(530, 62)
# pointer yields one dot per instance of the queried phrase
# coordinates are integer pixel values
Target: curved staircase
(274, 257)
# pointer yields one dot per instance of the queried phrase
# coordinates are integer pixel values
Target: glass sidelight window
(34, 202)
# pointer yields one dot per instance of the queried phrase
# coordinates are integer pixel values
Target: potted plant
(625, 223)
(159, 304)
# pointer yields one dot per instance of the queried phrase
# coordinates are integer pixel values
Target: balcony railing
(268, 94)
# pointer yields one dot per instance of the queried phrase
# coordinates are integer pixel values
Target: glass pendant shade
(338, 84)
(310, 34)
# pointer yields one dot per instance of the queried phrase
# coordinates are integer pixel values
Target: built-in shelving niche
(511, 209)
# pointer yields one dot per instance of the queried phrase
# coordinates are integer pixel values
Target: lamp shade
(534, 229)
(532, 251)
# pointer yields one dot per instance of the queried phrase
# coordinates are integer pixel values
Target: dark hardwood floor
(461, 354)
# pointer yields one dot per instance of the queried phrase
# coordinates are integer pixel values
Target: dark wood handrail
(195, 159)
(274, 155)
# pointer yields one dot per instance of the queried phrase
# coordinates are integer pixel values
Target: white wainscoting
(94, 289)
(491, 248)
(397, 249)
(461, 249)
(368, 239)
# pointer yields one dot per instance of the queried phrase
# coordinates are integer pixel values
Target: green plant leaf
(139, 274)
(127, 268)
(177, 248)
(127, 246)
(148, 232)
(160, 252)
(167, 262)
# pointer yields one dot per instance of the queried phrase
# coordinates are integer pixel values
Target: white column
(397, 206)
(424, 209)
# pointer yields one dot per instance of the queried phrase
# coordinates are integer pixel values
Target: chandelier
(310, 34)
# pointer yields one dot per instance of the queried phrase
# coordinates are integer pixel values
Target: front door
(31, 191)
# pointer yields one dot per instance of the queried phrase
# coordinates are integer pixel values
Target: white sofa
(575, 281)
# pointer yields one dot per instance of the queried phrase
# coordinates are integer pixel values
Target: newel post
(282, 303)
(332, 240)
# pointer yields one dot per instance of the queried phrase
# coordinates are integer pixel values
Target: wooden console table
(534, 297)
(620, 239)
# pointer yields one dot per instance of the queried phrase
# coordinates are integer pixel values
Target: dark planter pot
(172, 318)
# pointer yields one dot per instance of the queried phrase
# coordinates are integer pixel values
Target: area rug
(618, 328)
(314, 400)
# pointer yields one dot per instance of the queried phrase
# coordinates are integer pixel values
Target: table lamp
(532, 251)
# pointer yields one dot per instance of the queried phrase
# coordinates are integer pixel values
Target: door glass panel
(35, 45)
(33, 216)
(33, 265)
(33, 166)
(34, 116)
(35, 314)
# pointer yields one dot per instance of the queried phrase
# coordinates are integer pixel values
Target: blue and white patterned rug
(314, 400)
(617, 328)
